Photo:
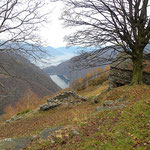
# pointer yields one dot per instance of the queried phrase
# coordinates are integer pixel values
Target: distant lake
(61, 83)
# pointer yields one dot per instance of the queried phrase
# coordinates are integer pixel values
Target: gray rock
(119, 100)
(50, 100)
(19, 118)
(75, 132)
(100, 108)
(14, 118)
(47, 132)
(121, 71)
(82, 98)
(108, 103)
(8, 121)
(15, 144)
(44, 107)
(68, 97)
(48, 106)
(22, 142)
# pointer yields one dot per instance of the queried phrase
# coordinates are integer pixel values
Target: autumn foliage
(28, 102)
(95, 77)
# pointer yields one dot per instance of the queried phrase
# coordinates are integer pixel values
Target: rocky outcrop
(111, 105)
(68, 97)
(121, 71)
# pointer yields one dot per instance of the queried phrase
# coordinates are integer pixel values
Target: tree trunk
(137, 75)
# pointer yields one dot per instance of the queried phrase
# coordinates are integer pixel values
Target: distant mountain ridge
(24, 75)
(61, 50)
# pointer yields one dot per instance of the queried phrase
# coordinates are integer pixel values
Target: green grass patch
(23, 112)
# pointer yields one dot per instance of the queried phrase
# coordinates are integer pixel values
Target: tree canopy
(20, 21)
(122, 24)
(19, 25)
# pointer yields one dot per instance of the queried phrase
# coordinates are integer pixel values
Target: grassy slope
(35, 122)
(93, 91)
(122, 129)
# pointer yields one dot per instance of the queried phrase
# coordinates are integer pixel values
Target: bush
(23, 112)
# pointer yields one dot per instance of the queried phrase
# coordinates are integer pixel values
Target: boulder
(121, 71)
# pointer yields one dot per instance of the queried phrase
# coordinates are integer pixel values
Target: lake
(61, 83)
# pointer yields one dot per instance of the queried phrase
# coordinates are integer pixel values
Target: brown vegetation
(28, 102)
(23, 75)
(95, 77)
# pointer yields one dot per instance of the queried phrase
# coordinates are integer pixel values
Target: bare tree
(117, 23)
(20, 21)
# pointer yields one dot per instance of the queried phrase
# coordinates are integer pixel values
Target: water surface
(61, 83)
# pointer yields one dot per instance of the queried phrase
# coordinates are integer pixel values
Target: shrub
(23, 112)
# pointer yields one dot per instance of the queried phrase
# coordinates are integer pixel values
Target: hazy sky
(54, 32)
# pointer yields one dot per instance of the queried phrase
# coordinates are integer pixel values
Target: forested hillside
(17, 75)
(66, 69)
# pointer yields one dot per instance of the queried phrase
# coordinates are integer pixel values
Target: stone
(48, 106)
(47, 132)
(82, 98)
(119, 100)
(121, 71)
(108, 103)
(19, 118)
(100, 108)
(75, 132)
(15, 144)
(14, 118)
(68, 97)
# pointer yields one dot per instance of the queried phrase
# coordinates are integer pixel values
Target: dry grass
(61, 116)
(33, 123)
(93, 128)
(125, 128)
(94, 91)
(127, 92)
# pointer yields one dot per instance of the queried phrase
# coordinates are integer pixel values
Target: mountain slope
(23, 76)
(65, 69)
